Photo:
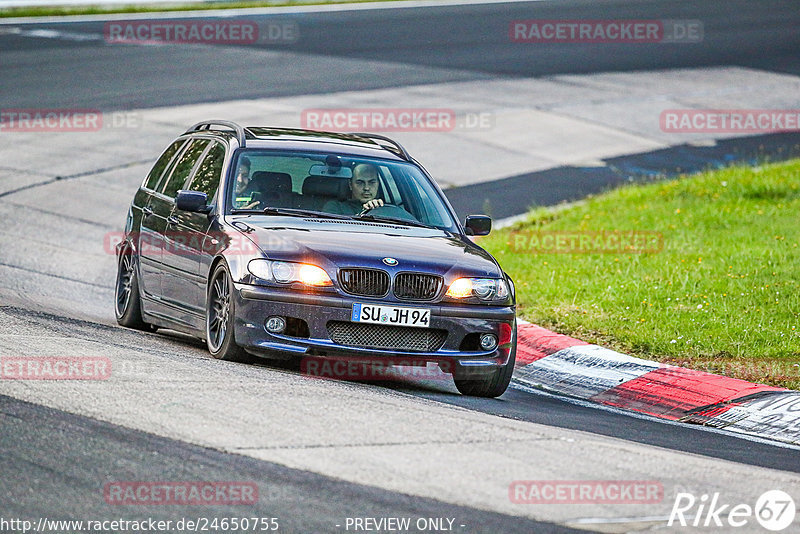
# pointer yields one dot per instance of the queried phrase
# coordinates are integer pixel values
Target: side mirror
(478, 224)
(192, 201)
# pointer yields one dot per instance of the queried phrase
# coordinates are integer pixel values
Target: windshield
(337, 185)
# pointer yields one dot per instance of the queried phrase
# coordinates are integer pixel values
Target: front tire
(220, 315)
(492, 385)
(128, 303)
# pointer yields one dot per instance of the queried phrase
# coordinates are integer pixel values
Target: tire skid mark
(76, 175)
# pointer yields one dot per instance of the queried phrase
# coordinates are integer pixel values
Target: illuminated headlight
(285, 272)
(485, 289)
(311, 275)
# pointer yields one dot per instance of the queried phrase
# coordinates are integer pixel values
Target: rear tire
(491, 385)
(220, 316)
(128, 304)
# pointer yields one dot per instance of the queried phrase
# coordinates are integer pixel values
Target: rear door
(163, 208)
(149, 241)
(193, 246)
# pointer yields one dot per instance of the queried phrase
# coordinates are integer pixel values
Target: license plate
(393, 315)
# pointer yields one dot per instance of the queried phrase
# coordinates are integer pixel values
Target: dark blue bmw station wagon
(279, 243)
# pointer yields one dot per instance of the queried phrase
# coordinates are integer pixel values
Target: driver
(363, 189)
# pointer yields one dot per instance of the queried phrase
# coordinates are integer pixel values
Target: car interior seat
(319, 190)
(275, 188)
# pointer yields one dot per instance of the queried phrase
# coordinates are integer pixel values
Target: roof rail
(241, 132)
(405, 155)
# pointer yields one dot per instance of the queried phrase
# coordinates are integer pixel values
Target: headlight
(260, 269)
(285, 272)
(311, 275)
(484, 289)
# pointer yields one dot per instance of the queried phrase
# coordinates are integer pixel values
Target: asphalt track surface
(46, 452)
(68, 460)
(358, 50)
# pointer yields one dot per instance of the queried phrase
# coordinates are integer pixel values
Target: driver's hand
(372, 204)
(251, 205)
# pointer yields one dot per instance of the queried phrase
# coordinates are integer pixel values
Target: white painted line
(51, 34)
(614, 520)
(510, 221)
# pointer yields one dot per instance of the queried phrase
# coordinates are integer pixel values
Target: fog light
(276, 325)
(488, 341)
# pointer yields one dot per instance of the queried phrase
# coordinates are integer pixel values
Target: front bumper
(254, 304)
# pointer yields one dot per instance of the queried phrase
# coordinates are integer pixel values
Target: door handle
(172, 219)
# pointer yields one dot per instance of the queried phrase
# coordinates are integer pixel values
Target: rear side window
(161, 164)
(184, 167)
(206, 179)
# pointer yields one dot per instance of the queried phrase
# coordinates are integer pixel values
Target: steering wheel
(367, 210)
(389, 210)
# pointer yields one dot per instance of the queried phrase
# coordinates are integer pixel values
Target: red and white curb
(568, 366)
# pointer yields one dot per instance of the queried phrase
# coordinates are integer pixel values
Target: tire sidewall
(228, 344)
(131, 315)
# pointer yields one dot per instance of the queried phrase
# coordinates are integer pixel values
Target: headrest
(273, 182)
(325, 186)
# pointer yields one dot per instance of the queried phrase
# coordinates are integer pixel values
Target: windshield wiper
(291, 212)
(394, 220)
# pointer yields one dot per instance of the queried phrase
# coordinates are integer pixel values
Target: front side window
(184, 167)
(336, 184)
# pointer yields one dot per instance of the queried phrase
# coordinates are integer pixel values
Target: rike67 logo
(774, 510)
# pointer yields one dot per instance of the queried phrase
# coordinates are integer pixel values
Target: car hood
(338, 243)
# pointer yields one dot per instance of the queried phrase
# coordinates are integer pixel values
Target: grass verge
(60, 11)
(715, 288)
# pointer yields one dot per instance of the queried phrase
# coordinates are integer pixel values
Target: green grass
(57, 11)
(722, 295)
